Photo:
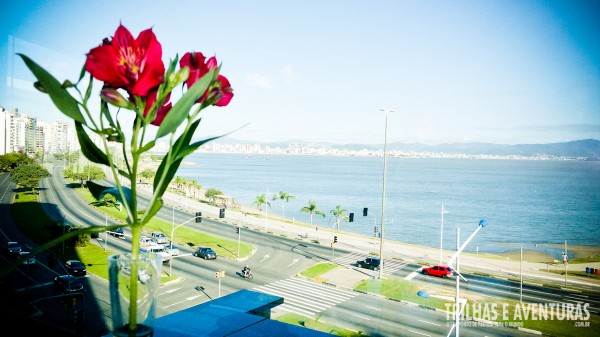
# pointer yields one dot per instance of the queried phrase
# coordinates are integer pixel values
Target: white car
(144, 240)
(159, 238)
(174, 251)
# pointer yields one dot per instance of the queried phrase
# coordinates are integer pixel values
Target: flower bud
(115, 98)
(68, 84)
(182, 75)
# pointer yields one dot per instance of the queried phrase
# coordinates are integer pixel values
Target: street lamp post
(173, 228)
(387, 111)
(455, 256)
(442, 234)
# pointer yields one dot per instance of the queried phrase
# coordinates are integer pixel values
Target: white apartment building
(19, 132)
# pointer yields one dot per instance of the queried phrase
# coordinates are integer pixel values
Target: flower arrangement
(134, 80)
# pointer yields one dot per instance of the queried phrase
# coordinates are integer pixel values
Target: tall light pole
(387, 111)
(455, 257)
(173, 228)
(442, 234)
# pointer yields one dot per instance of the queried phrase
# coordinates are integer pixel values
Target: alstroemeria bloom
(199, 66)
(162, 111)
(124, 62)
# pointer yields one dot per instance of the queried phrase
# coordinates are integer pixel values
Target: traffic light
(221, 213)
(351, 217)
(335, 239)
(365, 211)
(198, 216)
(237, 230)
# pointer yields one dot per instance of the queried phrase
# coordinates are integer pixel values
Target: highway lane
(503, 290)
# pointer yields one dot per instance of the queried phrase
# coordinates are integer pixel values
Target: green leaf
(169, 176)
(59, 95)
(106, 113)
(147, 146)
(181, 109)
(186, 150)
(89, 148)
(114, 191)
(155, 208)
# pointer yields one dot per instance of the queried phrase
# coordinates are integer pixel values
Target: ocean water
(525, 202)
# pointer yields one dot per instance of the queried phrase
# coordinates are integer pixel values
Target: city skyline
(506, 73)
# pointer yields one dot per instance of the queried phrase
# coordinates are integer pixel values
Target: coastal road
(276, 259)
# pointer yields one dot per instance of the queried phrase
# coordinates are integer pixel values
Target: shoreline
(531, 252)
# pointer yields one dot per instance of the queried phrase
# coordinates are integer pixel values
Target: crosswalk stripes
(390, 265)
(305, 297)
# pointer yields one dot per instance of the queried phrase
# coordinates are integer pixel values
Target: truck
(158, 250)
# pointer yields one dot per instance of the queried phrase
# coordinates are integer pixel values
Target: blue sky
(502, 72)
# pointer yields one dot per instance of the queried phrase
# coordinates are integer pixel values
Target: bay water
(527, 203)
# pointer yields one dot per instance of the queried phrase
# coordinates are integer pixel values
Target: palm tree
(312, 209)
(261, 200)
(340, 214)
(283, 196)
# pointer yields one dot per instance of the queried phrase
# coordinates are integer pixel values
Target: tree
(13, 159)
(211, 193)
(283, 196)
(148, 174)
(29, 175)
(89, 173)
(340, 214)
(312, 209)
(260, 201)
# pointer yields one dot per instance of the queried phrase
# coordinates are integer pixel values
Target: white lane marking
(429, 322)
(373, 308)
(419, 333)
(413, 274)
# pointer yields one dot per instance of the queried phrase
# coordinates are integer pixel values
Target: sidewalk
(495, 265)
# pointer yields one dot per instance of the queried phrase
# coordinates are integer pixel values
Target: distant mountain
(587, 148)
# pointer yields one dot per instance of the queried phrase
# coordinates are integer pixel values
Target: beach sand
(537, 256)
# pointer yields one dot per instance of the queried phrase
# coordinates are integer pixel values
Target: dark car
(13, 248)
(206, 253)
(439, 271)
(118, 232)
(75, 267)
(369, 263)
(67, 284)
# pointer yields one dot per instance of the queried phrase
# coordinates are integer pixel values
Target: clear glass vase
(147, 280)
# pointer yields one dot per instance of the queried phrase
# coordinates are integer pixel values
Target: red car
(439, 271)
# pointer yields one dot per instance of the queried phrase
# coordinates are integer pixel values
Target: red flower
(124, 62)
(199, 66)
(162, 111)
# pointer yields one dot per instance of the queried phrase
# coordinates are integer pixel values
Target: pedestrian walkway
(306, 297)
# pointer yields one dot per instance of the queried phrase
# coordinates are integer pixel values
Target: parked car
(30, 261)
(146, 241)
(67, 284)
(173, 250)
(75, 267)
(439, 271)
(13, 248)
(159, 237)
(369, 263)
(206, 253)
(118, 232)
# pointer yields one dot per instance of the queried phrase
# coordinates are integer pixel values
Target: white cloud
(258, 80)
